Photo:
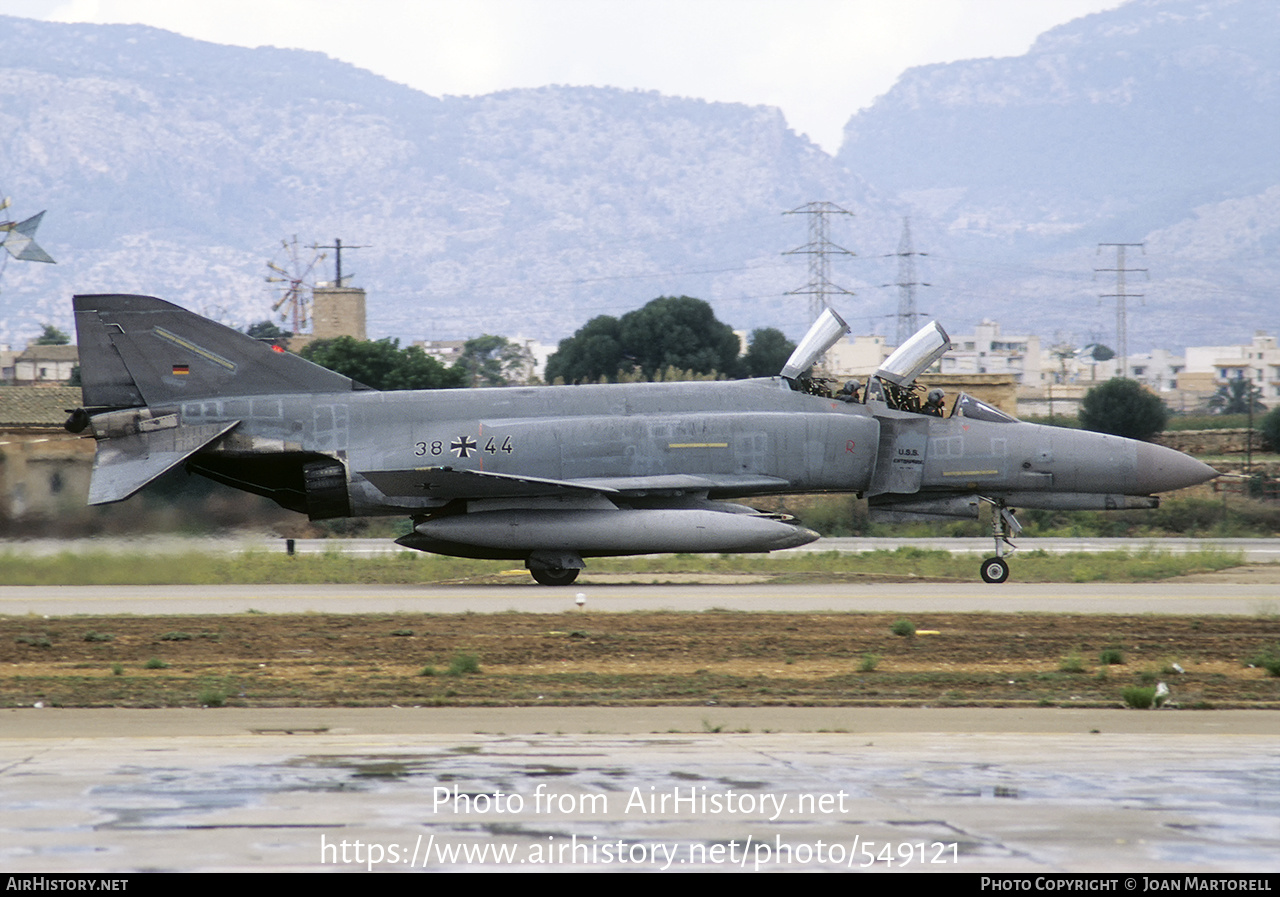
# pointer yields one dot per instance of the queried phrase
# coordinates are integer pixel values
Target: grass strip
(269, 568)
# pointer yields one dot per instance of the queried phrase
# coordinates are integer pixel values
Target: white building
(45, 364)
(860, 356)
(988, 351)
(1158, 370)
(1258, 362)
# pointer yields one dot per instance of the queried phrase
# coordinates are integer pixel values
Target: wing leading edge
(448, 483)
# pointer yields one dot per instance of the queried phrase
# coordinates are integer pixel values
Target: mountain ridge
(175, 167)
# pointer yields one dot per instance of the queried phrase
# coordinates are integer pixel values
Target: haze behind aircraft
(553, 475)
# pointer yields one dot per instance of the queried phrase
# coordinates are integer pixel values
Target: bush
(1123, 408)
(1072, 663)
(1268, 660)
(904, 628)
(1139, 697)
(1111, 656)
(464, 664)
(212, 695)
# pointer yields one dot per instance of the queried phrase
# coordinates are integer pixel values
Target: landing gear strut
(1003, 526)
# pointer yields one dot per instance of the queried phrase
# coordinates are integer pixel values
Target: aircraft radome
(553, 475)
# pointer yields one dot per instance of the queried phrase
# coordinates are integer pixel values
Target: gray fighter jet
(552, 475)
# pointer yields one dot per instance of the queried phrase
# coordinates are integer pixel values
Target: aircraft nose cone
(1161, 469)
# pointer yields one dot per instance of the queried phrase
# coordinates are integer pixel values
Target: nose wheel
(1003, 527)
(995, 570)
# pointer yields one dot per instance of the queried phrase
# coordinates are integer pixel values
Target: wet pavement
(1012, 792)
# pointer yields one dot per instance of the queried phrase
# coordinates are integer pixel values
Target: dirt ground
(717, 657)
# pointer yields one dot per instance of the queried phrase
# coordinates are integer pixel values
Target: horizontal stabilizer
(124, 464)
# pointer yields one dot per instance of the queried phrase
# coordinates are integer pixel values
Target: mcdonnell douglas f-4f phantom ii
(553, 475)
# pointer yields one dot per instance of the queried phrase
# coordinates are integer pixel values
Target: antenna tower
(337, 248)
(819, 248)
(1121, 296)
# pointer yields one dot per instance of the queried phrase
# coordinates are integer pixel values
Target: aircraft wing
(450, 483)
(678, 484)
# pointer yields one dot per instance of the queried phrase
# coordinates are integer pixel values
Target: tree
(1270, 428)
(1124, 408)
(669, 332)
(267, 330)
(767, 351)
(51, 336)
(382, 364)
(494, 361)
(1235, 396)
(593, 352)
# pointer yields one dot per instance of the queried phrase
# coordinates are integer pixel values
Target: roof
(50, 353)
(37, 406)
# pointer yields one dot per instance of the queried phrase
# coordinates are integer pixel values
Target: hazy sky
(818, 60)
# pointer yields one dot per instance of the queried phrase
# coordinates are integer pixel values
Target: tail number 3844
(464, 446)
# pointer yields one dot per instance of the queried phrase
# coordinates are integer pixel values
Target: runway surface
(1212, 596)
(589, 789)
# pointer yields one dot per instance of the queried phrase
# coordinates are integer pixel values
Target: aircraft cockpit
(894, 383)
(976, 409)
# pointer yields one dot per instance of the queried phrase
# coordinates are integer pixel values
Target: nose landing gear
(1003, 526)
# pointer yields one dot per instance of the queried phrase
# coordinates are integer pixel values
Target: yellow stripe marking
(192, 347)
(697, 445)
(969, 473)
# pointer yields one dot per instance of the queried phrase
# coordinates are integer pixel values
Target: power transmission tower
(819, 248)
(908, 317)
(1122, 296)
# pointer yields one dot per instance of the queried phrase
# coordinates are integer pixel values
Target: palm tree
(1235, 396)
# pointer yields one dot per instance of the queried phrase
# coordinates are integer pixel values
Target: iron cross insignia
(463, 446)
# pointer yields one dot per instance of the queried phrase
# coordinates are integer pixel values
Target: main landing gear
(554, 568)
(553, 576)
(1003, 526)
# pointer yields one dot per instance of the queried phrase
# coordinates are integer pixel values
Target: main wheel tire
(994, 570)
(554, 576)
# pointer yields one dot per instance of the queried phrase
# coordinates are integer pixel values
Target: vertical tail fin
(138, 350)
